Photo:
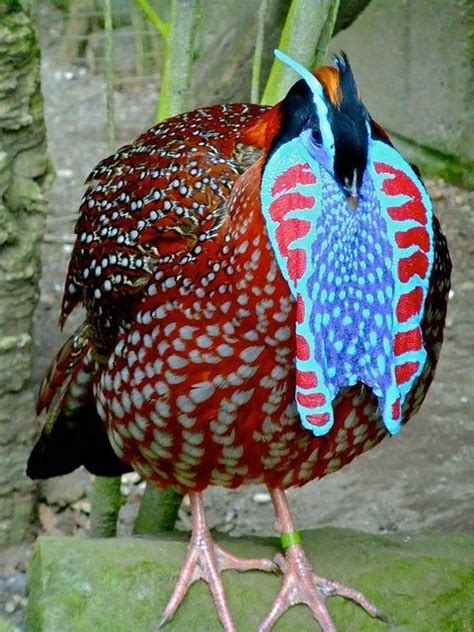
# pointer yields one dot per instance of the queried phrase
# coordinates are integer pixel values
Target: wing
(146, 207)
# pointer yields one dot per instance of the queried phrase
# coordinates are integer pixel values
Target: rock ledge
(421, 582)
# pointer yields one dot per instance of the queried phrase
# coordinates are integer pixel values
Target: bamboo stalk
(138, 37)
(155, 19)
(158, 511)
(106, 497)
(179, 42)
(326, 35)
(159, 508)
(302, 32)
(109, 74)
(257, 57)
(106, 500)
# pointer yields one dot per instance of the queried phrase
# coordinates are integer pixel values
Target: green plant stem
(106, 500)
(158, 511)
(176, 78)
(326, 34)
(301, 34)
(152, 15)
(257, 58)
(137, 20)
(109, 74)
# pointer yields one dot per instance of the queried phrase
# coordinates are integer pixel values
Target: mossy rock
(423, 583)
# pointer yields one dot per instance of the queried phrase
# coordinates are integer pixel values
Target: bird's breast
(200, 391)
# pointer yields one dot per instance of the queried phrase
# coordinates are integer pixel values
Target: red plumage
(174, 265)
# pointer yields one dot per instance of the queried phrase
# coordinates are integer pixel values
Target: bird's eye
(316, 136)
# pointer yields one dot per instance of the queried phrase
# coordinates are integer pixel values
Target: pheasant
(265, 290)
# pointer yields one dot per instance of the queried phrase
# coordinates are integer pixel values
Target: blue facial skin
(317, 151)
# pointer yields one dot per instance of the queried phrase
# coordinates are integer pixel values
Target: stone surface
(421, 85)
(422, 583)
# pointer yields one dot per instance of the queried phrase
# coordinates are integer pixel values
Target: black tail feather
(73, 441)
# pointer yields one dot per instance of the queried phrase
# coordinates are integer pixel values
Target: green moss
(10, 6)
(470, 33)
(5, 626)
(422, 583)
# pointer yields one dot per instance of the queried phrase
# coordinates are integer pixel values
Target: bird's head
(351, 226)
(325, 113)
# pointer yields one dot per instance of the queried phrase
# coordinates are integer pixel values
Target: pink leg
(300, 584)
(205, 560)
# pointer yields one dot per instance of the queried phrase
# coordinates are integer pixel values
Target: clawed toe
(206, 560)
(330, 588)
(301, 585)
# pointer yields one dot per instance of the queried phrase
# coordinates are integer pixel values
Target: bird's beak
(352, 201)
(353, 193)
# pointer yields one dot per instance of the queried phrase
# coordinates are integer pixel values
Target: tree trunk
(24, 181)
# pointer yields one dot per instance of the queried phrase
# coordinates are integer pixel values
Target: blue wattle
(351, 291)
(347, 288)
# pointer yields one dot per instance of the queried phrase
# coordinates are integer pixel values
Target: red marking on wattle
(314, 400)
(302, 348)
(413, 237)
(405, 371)
(296, 264)
(300, 310)
(417, 263)
(402, 184)
(320, 419)
(298, 174)
(289, 202)
(408, 341)
(288, 231)
(306, 379)
(409, 304)
(410, 210)
(396, 409)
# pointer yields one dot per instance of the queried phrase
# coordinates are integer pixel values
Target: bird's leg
(205, 560)
(300, 584)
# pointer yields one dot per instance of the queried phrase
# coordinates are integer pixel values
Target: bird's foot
(301, 585)
(205, 560)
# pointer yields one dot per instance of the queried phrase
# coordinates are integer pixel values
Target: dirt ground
(420, 479)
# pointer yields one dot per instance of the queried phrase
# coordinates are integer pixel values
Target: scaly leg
(300, 584)
(205, 560)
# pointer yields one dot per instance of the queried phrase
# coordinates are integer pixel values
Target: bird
(265, 291)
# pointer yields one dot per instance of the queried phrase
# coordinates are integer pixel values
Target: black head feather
(297, 113)
(347, 118)
(349, 125)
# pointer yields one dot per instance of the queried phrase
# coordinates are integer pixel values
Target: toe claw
(280, 562)
(382, 616)
(301, 585)
(205, 560)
